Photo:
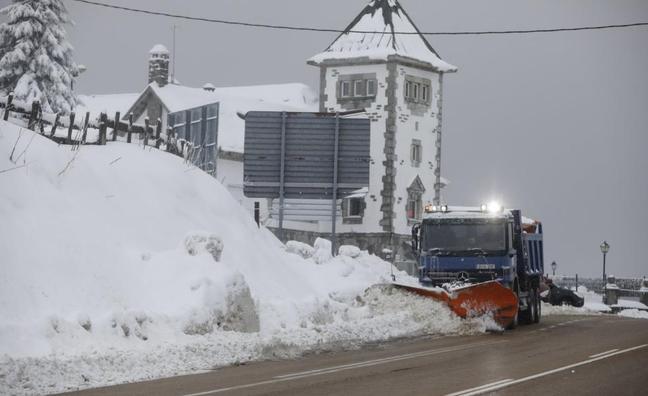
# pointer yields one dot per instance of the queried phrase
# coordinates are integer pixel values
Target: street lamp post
(605, 248)
(553, 268)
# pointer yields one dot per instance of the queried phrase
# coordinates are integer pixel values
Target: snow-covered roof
(233, 100)
(360, 193)
(108, 104)
(372, 34)
(159, 49)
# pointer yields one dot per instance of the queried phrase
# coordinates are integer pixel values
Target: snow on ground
(634, 313)
(629, 304)
(593, 305)
(121, 263)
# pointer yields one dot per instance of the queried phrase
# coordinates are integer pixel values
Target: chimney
(159, 65)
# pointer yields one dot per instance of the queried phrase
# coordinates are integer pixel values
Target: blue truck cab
(474, 245)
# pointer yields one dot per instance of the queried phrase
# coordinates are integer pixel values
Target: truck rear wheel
(533, 306)
(538, 307)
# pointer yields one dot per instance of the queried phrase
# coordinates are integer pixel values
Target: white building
(398, 79)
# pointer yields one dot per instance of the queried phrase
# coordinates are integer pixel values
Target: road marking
(471, 392)
(480, 387)
(386, 360)
(603, 353)
(334, 369)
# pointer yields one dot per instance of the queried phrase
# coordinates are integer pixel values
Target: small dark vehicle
(561, 296)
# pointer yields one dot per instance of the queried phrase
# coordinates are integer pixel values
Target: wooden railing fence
(68, 129)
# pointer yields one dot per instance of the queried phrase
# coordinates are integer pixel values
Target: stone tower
(158, 65)
(398, 80)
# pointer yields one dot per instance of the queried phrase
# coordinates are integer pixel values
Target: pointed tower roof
(384, 18)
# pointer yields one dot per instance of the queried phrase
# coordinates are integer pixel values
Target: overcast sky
(555, 124)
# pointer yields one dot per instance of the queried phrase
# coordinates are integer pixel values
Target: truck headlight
(494, 207)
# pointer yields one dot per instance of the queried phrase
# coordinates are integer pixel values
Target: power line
(312, 29)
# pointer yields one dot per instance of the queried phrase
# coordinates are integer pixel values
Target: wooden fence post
(85, 127)
(158, 132)
(130, 128)
(103, 127)
(69, 137)
(56, 121)
(115, 127)
(146, 131)
(8, 106)
(33, 116)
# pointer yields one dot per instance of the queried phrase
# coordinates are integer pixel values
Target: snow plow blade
(474, 300)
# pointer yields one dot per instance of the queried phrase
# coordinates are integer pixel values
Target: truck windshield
(464, 237)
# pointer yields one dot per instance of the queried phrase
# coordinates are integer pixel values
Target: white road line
(469, 392)
(480, 387)
(387, 359)
(333, 369)
(603, 353)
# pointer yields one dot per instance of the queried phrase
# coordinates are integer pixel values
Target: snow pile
(629, 304)
(121, 263)
(634, 313)
(593, 305)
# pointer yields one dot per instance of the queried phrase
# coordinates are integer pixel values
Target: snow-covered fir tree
(35, 56)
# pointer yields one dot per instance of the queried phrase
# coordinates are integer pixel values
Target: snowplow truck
(492, 257)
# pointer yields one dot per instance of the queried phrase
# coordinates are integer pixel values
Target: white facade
(412, 123)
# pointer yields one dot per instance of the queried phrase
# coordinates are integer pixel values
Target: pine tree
(35, 56)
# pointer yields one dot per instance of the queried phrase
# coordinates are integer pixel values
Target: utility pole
(173, 56)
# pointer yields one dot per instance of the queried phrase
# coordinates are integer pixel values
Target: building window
(358, 88)
(371, 87)
(177, 122)
(416, 152)
(417, 90)
(353, 207)
(345, 89)
(414, 206)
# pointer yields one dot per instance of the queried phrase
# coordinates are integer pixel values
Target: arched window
(414, 206)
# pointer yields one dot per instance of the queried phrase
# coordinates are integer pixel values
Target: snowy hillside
(109, 273)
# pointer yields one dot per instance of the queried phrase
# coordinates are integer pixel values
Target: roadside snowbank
(634, 313)
(121, 263)
(594, 305)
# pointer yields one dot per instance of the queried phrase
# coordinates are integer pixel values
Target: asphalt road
(566, 355)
